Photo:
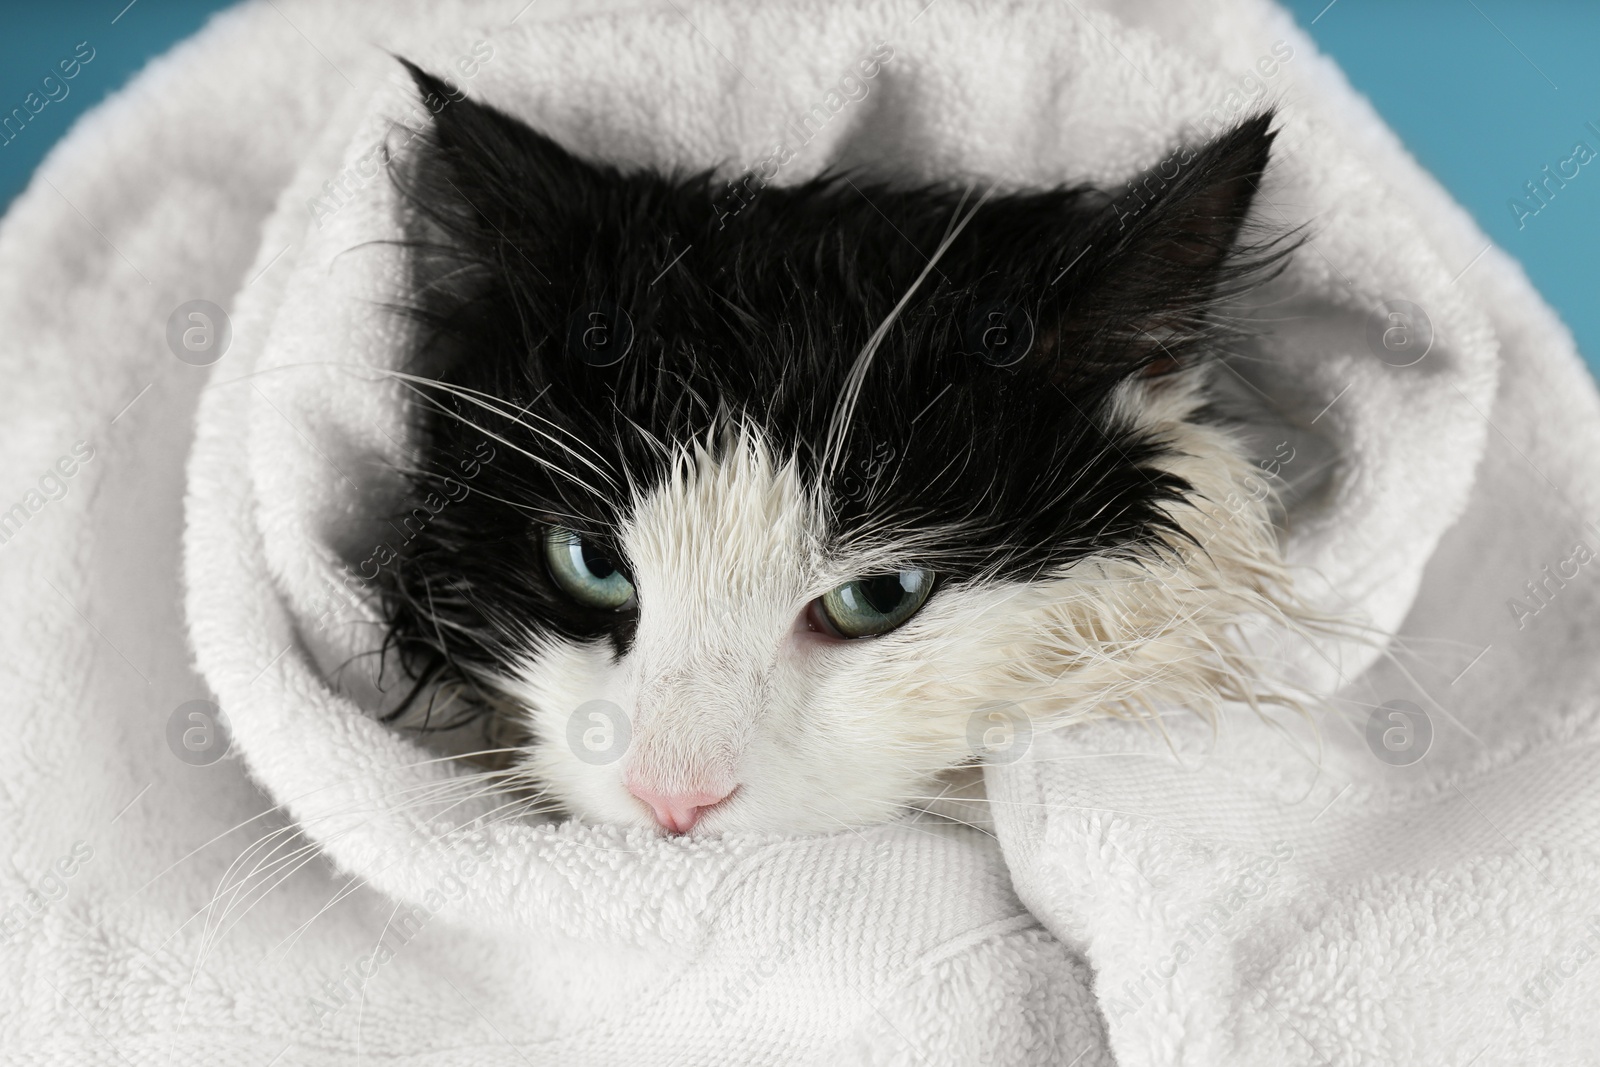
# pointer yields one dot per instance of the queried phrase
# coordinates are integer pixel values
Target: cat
(798, 506)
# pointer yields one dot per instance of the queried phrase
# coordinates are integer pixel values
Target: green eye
(584, 571)
(867, 607)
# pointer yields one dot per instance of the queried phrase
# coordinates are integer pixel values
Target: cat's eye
(585, 571)
(867, 607)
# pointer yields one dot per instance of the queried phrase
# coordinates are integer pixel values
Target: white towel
(1254, 902)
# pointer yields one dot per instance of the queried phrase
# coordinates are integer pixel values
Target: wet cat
(797, 511)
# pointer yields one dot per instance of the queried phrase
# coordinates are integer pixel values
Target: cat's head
(761, 506)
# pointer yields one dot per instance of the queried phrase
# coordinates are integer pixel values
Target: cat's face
(793, 507)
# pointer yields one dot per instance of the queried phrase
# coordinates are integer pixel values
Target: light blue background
(1485, 93)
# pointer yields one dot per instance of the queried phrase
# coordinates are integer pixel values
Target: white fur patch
(724, 685)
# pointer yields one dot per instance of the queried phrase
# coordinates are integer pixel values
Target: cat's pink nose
(678, 810)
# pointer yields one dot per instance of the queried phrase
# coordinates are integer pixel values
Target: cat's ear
(491, 172)
(1133, 294)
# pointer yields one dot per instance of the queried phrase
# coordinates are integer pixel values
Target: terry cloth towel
(217, 856)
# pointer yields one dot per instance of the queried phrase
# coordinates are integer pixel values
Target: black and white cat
(805, 488)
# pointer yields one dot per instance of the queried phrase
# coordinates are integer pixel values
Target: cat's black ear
(1186, 212)
(1134, 292)
(486, 170)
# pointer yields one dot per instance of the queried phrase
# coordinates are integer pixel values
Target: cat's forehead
(734, 514)
(727, 511)
(903, 395)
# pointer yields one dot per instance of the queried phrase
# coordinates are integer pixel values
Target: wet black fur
(1006, 472)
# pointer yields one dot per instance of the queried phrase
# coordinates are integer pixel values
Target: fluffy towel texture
(1254, 901)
